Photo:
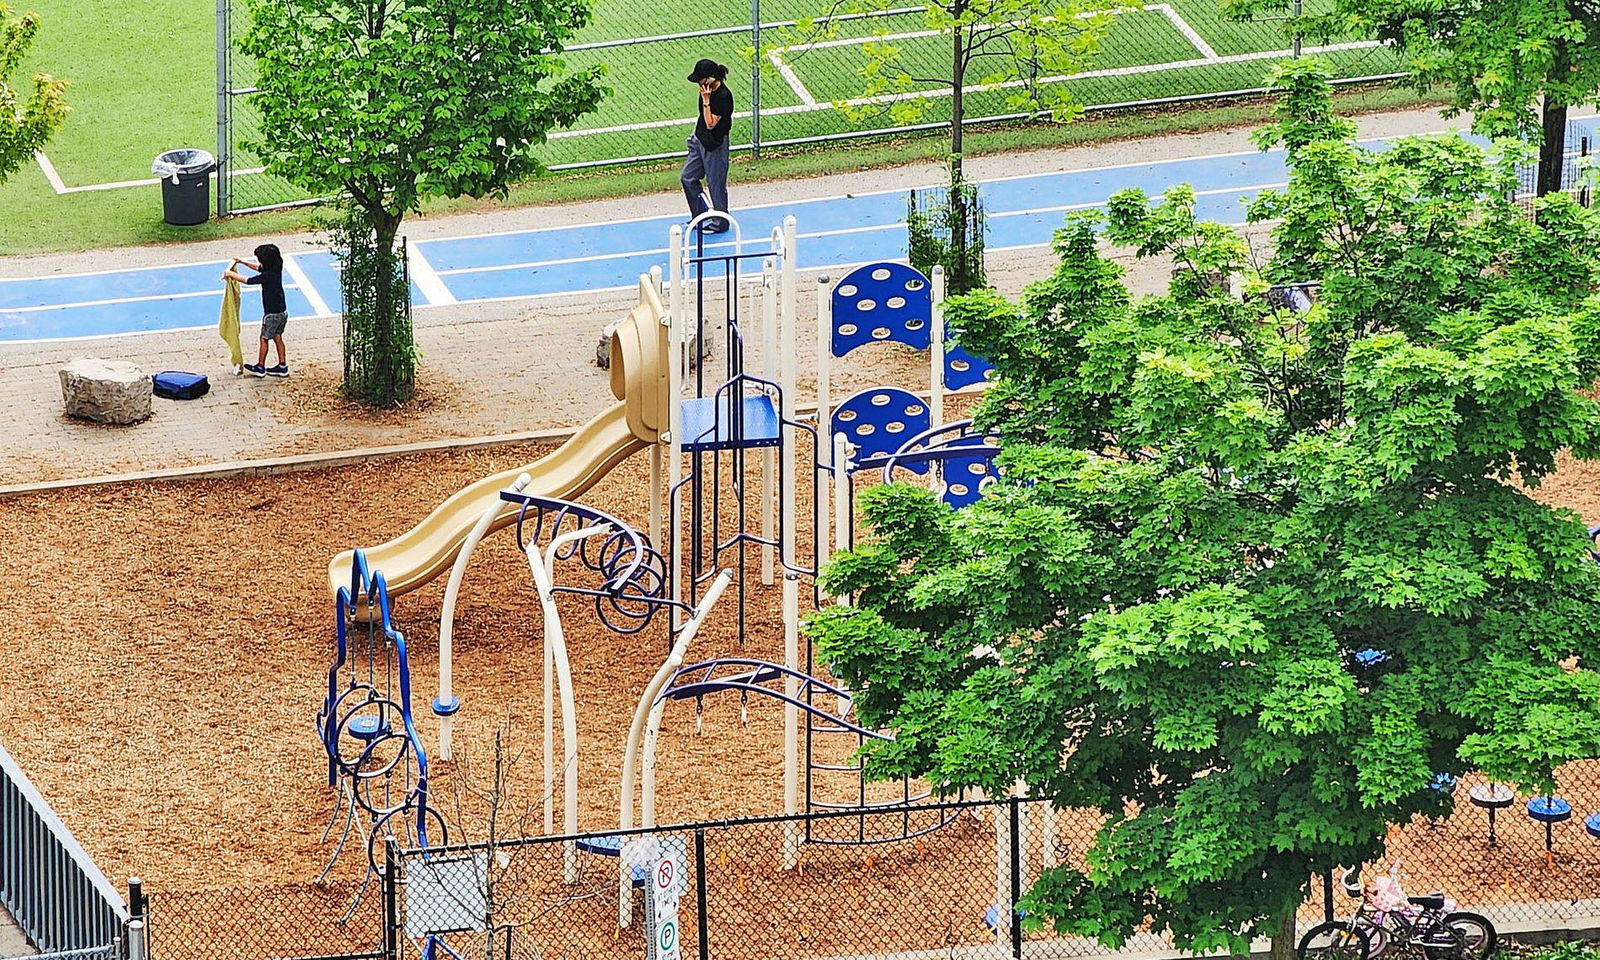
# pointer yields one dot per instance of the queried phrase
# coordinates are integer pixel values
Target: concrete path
(494, 366)
(12, 942)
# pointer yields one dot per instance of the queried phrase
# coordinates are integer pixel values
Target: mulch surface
(167, 647)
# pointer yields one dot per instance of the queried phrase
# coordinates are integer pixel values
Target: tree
(1023, 47)
(1516, 64)
(1253, 577)
(25, 124)
(389, 102)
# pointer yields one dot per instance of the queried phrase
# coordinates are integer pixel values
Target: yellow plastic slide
(428, 549)
(638, 379)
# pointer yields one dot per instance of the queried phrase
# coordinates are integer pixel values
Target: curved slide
(428, 549)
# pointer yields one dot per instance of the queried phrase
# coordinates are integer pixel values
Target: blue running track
(834, 231)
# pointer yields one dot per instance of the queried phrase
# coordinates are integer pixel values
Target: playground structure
(724, 463)
(376, 760)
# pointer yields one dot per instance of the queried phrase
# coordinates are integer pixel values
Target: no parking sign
(666, 879)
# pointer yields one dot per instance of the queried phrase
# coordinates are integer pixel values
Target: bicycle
(1389, 922)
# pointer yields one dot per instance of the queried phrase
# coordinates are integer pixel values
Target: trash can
(185, 186)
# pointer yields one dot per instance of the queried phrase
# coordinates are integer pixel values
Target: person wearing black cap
(708, 149)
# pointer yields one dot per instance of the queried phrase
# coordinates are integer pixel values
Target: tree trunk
(1553, 151)
(1283, 939)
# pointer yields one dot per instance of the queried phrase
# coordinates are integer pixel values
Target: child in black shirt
(268, 265)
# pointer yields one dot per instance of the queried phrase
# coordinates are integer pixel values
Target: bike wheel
(1478, 937)
(1334, 940)
(1441, 941)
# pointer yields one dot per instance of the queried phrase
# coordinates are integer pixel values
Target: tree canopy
(1517, 65)
(30, 114)
(393, 101)
(1254, 575)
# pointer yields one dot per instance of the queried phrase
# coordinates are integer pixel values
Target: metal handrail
(51, 887)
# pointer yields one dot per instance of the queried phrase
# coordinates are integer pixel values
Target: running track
(1022, 212)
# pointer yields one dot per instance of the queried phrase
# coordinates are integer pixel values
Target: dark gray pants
(710, 166)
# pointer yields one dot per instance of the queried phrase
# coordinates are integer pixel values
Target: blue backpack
(177, 385)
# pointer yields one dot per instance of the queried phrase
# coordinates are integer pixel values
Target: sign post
(666, 883)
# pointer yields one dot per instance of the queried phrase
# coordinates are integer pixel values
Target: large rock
(107, 391)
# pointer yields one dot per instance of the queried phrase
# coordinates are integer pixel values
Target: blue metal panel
(882, 303)
(880, 420)
(963, 369)
(965, 477)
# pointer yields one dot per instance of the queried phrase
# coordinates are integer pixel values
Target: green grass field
(143, 81)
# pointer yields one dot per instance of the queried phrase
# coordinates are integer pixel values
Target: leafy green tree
(390, 102)
(1254, 576)
(27, 117)
(918, 61)
(1516, 64)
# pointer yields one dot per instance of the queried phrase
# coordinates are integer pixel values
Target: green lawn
(143, 81)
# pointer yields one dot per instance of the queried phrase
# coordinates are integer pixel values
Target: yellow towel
(228, 324)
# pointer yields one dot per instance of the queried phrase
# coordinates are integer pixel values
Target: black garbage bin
(185, 186)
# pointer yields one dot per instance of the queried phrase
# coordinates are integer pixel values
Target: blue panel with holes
(965, 478)
(882, 303)
(879, 420)
(963, 369)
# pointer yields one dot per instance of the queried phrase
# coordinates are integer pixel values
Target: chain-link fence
(794, 62)
(755, 889)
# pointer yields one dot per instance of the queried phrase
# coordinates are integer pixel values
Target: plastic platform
(706, 427)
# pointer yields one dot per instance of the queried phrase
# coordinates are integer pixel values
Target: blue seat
(1549, 809)
(881, 303)
(879, 420)
(709, 423)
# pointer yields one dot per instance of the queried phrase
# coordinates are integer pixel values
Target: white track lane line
(50, 173)
(1184, 27)
(303, 283)
(427, 279)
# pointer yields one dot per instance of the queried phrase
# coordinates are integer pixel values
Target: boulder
(106, 391)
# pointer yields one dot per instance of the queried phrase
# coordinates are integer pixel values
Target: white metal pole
(844, 517)
(770, 350)
(447, 617)
(655, 449)
(676, 332)
(541, 566)
(936, 386)
(1002, 874)
(639, 737)
(791, 585)
(824, 535)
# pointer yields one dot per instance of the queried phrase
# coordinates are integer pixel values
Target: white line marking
(667, 219)
(112, 301)
(917, 34)
(791, 78)
(50, 173)
(975, 88)
(303, 283)
(1184, 28)
(427, 279)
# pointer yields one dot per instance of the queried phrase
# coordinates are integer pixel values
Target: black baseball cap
(703, 70)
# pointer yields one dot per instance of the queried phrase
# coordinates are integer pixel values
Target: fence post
(1327, 896)
(700, 892)
(1016, 877)
(391, 899)
(224, 120)
(755, 79)
(138, 934)
(1299, 37)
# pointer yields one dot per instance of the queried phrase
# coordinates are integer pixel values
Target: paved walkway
(498, 366)
(12, 942)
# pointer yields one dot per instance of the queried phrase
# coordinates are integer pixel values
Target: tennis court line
(302, 282)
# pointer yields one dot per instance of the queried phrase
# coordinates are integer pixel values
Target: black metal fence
(795, 62)
(753, 889)
(58, 897)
